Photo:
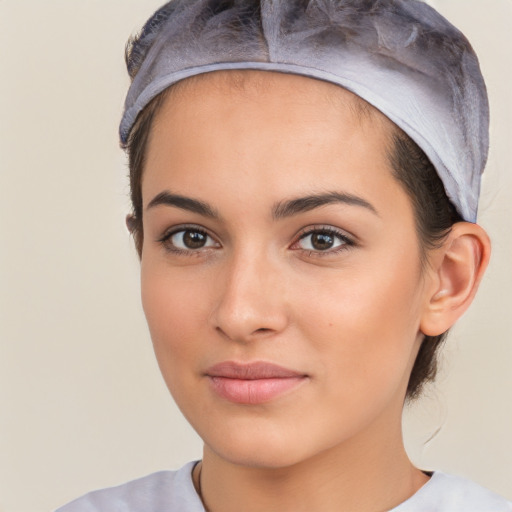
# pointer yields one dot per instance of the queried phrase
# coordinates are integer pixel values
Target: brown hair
(434, 213)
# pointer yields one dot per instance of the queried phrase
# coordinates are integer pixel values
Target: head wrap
(401, 56)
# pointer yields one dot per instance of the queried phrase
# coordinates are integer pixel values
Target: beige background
(82, 404)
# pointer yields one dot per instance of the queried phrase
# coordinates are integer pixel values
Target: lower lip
(257, 391)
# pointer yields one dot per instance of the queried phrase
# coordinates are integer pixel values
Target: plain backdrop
(82, 403)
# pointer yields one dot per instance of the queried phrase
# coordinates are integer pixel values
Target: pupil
(194, 239)
(322, 241)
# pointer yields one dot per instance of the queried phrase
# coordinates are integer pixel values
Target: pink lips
(253, 383)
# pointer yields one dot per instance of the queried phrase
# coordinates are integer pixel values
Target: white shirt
(173, 491)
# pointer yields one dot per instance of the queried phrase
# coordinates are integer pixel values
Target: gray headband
(401, 56)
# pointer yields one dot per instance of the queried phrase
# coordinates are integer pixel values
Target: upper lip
(251, 371)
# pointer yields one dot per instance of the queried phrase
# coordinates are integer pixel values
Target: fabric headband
(401, 56)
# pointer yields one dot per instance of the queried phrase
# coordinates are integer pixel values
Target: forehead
(255, 83)
(196, 112)
(259, 138)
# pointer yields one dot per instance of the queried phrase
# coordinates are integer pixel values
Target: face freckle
(346, 320)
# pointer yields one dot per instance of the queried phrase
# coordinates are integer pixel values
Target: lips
(253, 383)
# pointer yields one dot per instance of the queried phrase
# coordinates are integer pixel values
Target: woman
(305, 179)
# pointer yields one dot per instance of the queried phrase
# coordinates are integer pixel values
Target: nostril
(262, 331)
(219, 330)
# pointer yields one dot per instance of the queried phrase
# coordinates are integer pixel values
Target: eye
(323, 240)
(188, 240)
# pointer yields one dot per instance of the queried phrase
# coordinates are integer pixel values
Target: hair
(434, 213)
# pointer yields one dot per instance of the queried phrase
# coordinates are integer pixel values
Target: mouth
(253, 383)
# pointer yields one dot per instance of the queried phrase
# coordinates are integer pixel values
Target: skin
(349, 318)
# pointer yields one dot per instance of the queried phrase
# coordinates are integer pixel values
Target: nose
(252, 299)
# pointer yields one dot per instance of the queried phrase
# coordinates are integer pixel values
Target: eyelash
(165, 240)
(346, 244)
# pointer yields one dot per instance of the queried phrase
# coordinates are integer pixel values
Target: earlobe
(457, 269)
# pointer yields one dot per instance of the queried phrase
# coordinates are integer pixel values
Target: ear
(456, 270)
(130, 222)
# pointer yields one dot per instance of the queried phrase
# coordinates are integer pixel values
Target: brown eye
(194, 239)
(191, 239)
(323, 240)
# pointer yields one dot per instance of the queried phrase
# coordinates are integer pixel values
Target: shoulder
(448, 493)
(166, 490)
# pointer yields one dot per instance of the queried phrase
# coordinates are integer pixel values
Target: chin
(266, 455)
(261, 444)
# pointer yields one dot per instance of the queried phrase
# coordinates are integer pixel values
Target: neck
(370, 473)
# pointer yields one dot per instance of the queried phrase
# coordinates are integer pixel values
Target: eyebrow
(281, 210)
(307, 203)
(184, 203)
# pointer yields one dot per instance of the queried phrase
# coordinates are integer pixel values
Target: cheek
(364, 325)
(176, 317)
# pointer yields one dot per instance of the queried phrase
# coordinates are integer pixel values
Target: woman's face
(281, 275)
